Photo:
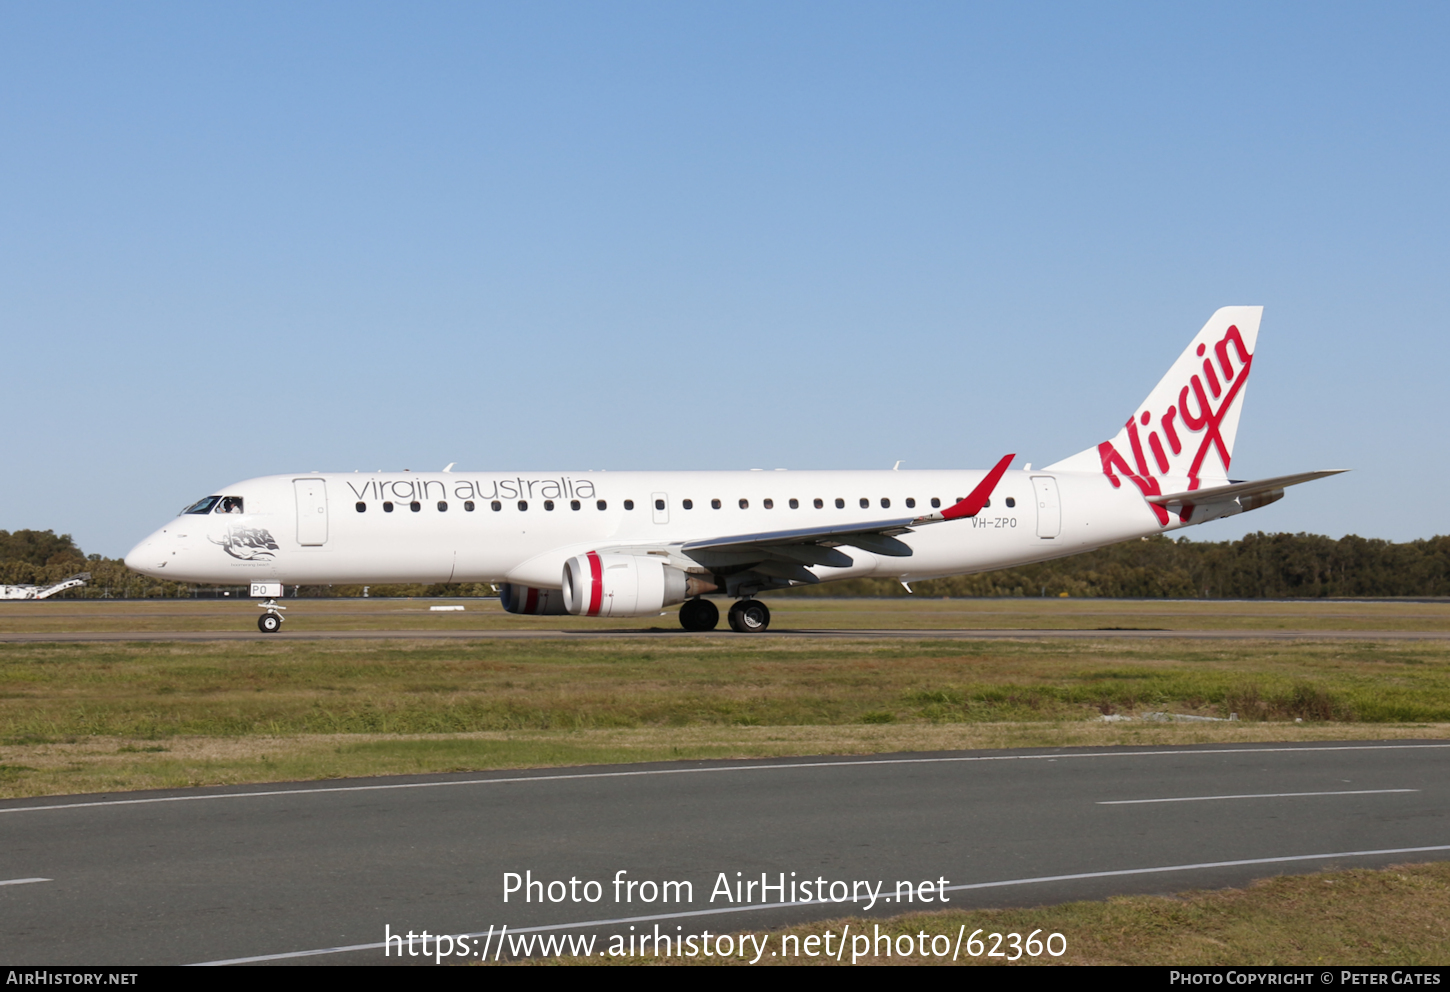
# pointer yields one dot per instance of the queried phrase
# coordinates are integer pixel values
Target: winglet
(973, 504)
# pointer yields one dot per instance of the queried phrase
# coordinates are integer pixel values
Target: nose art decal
(248, 543)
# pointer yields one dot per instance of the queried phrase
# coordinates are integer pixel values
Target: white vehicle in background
(44, 592)
(626, 544)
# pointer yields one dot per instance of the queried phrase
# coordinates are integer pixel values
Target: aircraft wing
(786, 553)
(1240, 491)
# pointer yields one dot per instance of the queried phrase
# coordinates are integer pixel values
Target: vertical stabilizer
(1184, 431)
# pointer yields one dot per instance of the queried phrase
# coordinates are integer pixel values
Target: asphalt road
(314, 872)
(533, 635)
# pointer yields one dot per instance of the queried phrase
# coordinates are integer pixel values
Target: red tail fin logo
(1202, 405)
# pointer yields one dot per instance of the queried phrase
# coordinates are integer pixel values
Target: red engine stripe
(531, 603)
(596, 584)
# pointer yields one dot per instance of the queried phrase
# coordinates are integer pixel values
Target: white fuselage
(625, 543)
(337, 528)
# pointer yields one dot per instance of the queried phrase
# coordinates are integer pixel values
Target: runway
(315, 872)
(1134, 633)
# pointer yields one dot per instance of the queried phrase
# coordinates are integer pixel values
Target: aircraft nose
(144, 557)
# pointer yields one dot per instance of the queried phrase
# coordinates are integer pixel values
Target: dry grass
(1394, 916)
(113, 764)
(112, 716)
(56, 691)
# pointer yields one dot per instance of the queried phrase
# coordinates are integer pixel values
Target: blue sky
(239, 240)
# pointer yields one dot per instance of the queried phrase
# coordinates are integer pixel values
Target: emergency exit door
(311, 512)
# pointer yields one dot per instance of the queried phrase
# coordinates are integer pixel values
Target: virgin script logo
(1203, 427)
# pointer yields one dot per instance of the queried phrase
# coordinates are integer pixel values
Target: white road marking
(583, 924)
(1259, 795)
(645, 773)
(24, 881)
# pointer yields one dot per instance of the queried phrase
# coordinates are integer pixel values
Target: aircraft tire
(699, 614)
(269, 623)
(749, 616)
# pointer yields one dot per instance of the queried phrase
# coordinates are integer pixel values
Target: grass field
(1357, 917)
(128, 715)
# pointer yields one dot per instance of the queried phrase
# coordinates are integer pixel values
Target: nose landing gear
(749, 616)
(271, 621)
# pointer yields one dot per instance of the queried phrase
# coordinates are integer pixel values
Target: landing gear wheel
(699, 614)
(749, 616)
(269, 623)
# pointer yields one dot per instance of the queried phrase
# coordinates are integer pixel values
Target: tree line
(1257, 566)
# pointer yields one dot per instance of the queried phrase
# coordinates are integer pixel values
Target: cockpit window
(230, 504)
(203, 505)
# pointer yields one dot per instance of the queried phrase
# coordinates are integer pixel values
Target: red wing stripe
(596, 584)
(973, 504)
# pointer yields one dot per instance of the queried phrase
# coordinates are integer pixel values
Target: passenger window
(714, 504)
(770, 504)
(468, 506)
(548, 504)
(415, 506)
(688, 504)
(659, 504)
(495, 506)
(388, 507)
(795, 504)
(629, 504)
(818, 503)
(984, 505)
(602, 505)
(523, 505)
(1011, 502)
(442, 506)
(745, 504)
(840, 503)
(203, 505)
(865, 503)
(230, 504)
(910, 503)
(885, 503)
(573, 504)
(935, 502)
(362, 508)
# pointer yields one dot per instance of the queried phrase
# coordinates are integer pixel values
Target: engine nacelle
(527, 599)
(606, 585)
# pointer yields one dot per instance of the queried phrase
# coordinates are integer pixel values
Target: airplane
(629, 544)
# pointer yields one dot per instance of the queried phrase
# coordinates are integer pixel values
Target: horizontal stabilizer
(1236, 490)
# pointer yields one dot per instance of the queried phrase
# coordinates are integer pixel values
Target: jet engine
(527, 599)
(598, 585)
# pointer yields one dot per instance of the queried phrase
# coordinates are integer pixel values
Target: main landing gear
(271, 621)
(699, 614)
(749, 616)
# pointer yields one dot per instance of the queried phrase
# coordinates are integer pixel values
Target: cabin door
(311, 512)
